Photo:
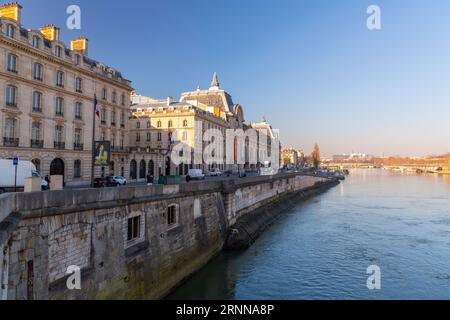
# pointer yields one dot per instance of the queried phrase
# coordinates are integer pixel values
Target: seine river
(323, 247)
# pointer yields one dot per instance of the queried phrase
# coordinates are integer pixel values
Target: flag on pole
(96, 107)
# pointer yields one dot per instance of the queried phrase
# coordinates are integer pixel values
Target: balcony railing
(60, 145)
(78, 146)
(10, 142)
(59, 114)
(120, 149)
(11, 104)
(39, 110)
(38, 144)
(113, 123)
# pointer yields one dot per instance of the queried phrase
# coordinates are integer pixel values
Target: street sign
(15, 161)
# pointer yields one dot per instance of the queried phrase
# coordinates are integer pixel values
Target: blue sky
(310, 66)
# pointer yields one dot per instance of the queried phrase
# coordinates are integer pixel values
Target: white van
(196, 174)
(25, 169)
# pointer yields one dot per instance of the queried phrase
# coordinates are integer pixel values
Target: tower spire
(215, 80)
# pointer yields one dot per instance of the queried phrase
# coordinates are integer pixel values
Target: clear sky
(310, 66)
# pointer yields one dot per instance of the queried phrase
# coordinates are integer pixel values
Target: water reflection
(322, 248)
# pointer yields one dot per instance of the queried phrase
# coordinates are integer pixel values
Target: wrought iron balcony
(120, 149)
(38, 144)
(10, 142)
(78, 146)
(60, 145)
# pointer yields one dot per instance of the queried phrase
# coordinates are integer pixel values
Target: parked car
(99, 183)
(215, 173)
(195, 174)
(119, 180)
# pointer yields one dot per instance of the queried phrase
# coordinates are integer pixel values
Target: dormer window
(77, 60)
(58, 51)
(36, 42)
(10, 31)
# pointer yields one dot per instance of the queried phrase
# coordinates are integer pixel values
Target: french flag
(96, 107)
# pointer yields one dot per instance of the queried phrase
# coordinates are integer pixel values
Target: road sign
(15, 161)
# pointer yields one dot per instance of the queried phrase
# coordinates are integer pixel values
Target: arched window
(133, 170)
(77, 169)
(11, 96)
(142, 170)
(151, 167)
(37, 101)
(60, 79)
(12, 63)
(37, 71)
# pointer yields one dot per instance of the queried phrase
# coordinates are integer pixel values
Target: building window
(113, 140)
(10, 31)
(10, 128)
(37, 71)
(122, 141)
(58, 51)
(12, 63)
(159, 124)
(138, 137)
(35, 133)
(102, 135)
(170, 125)
(122, 100)
(11, 96)
(114, 97)
(185, 123)
(37, 101)
(122, 119)
(78, 111)
(159, 136)
(59, 134)
(138, 125)
(134, 228)
(149, 136)
(104, 94)
(60, 79)
(103, 116)
(185, 136)
(172, 215)
(36, 42)
(149, 124)
(59, 108)
(77, 169)
(113, 118)
(78, 85)
(77, 145)
(77, 60)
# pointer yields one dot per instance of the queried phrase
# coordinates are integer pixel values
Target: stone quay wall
(128, 242)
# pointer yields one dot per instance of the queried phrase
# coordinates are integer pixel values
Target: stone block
(56, 182)
(32, 184)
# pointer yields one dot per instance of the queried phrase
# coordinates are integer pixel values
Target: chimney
(80, 45)
(169, 101)
(51, 32)
(11, 10)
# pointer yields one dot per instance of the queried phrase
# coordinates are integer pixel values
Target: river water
(322, 248)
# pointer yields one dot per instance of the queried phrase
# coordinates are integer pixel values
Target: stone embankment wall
(129, 243)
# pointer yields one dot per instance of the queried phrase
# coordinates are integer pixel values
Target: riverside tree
(315, 156)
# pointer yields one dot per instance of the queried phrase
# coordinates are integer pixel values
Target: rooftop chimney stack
(51, 32)
(11, 10)
(80, 45)
(169, 101)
